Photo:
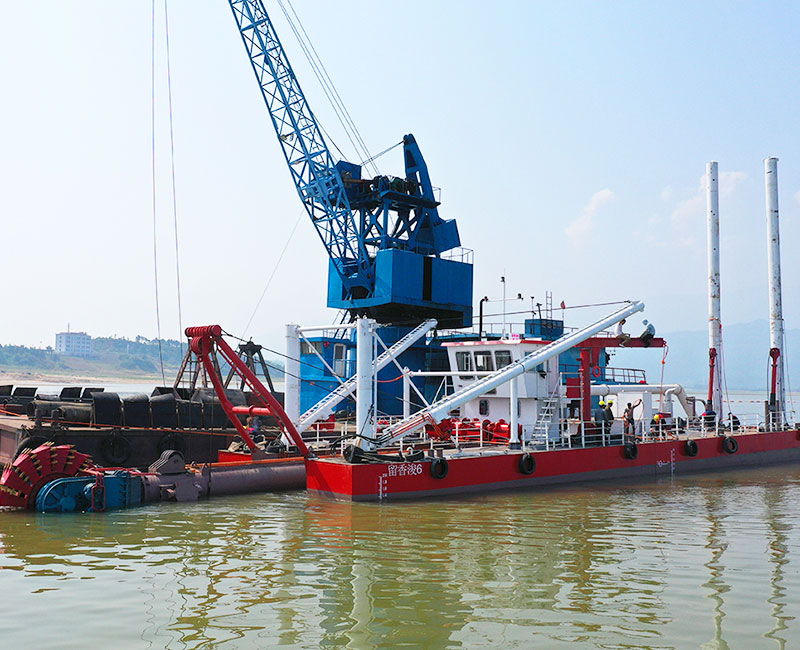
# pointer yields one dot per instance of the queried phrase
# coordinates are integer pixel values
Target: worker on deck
(648, 334)
(600, 416)
(628, 418)
(709, 418)
(609, 416)
(622, 336)
(657, 425)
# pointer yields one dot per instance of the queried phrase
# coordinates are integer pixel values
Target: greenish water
(711, 561)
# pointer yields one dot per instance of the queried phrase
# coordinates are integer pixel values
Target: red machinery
(205, 343)
(34, 468)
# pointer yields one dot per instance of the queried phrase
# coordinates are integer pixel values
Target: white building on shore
(73, 344)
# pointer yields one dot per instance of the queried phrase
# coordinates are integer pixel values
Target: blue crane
(383, 235)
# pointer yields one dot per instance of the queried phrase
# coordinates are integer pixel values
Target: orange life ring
(596, 372)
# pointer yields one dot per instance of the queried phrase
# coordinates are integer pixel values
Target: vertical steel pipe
(291, 374)
(714, 311)
(364, 345)
(513, 399)
(776, 397)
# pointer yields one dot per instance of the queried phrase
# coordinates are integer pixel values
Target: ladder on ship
(325, 406)
(547, 414)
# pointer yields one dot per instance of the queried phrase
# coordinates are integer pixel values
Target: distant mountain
(111, 357)
(745, 354)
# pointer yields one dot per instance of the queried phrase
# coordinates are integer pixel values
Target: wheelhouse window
(502, 358)
(464, 363)
(307, 347)
(483, 361)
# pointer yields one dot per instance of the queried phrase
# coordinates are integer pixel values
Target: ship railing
(609, 374)
(459, 254)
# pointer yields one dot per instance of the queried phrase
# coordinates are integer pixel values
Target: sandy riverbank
(22, 378)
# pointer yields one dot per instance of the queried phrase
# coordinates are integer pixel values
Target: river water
(707, 561)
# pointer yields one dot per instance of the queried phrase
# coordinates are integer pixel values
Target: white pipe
(774, 263)
(326, 328)
(291, 374)
(513, 421)
(669, 390)
(406, 393)
(441, 408)
(714, 311)
(448, 373)
(364, 346)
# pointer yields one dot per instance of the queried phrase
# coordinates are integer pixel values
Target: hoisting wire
(320, 79)
(272, 275)
(153, 129)
(786, 375)
(661, 387)
(332, 86)
(363, 163)
(174, 193)
(723, 376)
(328, 87)
(528, 311)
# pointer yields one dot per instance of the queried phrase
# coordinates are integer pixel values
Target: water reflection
(675, 564)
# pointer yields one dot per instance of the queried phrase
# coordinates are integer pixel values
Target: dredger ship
(517, 409)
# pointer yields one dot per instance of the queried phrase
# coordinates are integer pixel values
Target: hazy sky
(569, 140)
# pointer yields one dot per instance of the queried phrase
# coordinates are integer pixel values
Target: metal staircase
(547, 415)
(325, 406)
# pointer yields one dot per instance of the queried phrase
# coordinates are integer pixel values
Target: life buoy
(730, 445)
(439, 468)
(115, 449)
(596, 372)
(631, 450)
(172, 440)
(527, 464)
(690, 447)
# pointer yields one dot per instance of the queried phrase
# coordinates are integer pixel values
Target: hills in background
(139, 358)
(745, 350)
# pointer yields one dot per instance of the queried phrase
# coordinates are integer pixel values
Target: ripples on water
(703, 562)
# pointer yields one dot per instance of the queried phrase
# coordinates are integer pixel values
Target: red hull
(378, 481)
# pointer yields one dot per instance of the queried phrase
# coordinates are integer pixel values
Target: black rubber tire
(631, 450)
(31, 442)
(730, 445)
(690, 447)
(172, 440)
(526, 464)
(116, 449)
(439, 468)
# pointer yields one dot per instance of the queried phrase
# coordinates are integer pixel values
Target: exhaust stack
(776, 405)
(714, 322)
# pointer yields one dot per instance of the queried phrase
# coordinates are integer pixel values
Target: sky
(569, 141)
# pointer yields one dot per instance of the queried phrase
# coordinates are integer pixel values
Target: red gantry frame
(589, 359)
(207, 340)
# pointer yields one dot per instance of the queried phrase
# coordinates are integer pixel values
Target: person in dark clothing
(648, 334)
(709, 418)
(628, 418)
(609, 417)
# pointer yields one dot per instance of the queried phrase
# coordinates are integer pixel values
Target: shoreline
(20, 378)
